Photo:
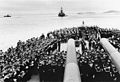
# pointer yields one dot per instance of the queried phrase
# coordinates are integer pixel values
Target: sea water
(25, 26)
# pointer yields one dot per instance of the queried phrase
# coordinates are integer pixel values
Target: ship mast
(61, 10)
(61, 4)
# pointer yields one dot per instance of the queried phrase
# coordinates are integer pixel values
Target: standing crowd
(42, 55)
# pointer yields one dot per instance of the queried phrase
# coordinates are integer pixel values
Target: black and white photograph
(59, 40)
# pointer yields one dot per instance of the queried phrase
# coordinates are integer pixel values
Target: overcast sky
(78, 5)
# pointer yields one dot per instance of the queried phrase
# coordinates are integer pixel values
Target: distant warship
(7, 15)
(61, 13)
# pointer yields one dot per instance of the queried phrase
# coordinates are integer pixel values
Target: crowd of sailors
(42, 55)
